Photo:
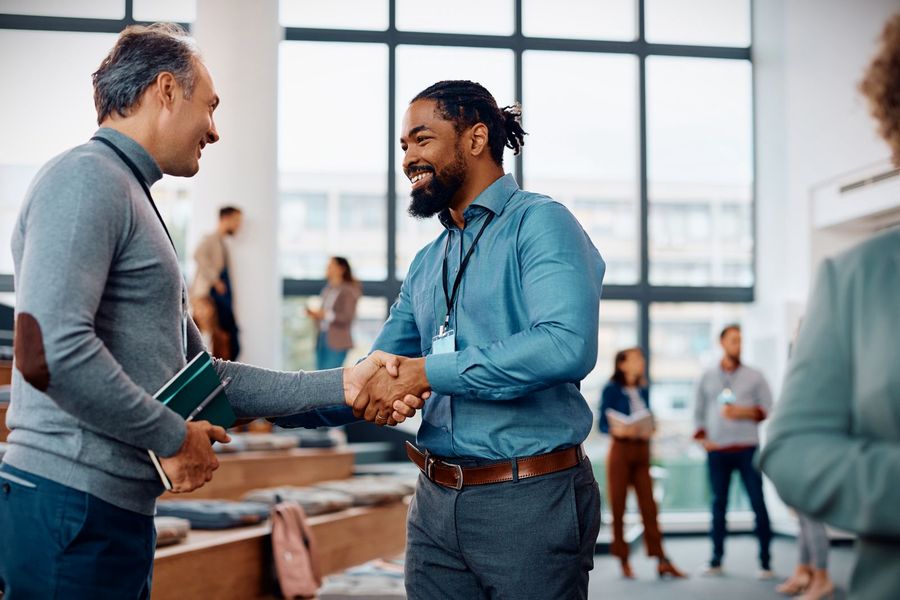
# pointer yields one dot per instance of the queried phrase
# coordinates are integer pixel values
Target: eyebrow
(414, 131)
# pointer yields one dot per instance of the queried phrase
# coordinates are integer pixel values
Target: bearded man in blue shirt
(498, 317)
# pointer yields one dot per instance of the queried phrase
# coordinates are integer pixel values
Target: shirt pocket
(428, 315)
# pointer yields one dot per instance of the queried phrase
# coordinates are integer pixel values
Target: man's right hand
(195, 461)
(385, 396)
(708, 445)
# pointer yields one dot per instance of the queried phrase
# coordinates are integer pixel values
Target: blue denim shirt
(525, 319)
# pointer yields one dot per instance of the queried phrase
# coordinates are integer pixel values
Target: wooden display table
(237, 563)
(239, 473)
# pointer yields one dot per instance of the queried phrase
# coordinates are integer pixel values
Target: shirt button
(6, 487)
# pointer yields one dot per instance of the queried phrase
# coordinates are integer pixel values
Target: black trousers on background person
(722, 463)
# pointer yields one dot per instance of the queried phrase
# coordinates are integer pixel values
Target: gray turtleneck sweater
(99, 320)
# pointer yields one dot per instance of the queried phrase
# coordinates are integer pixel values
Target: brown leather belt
(455, 476)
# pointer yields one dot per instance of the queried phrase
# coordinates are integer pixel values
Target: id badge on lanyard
(727, 396)
(445, 341)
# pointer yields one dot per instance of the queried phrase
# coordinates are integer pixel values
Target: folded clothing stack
(265, 441)
(235, 445)
(375, 580)
(369, 491)
(314, 501)
(170, 530)
(324, 437)
(214, 514)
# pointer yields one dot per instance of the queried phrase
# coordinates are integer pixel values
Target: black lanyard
(137, 174)
(450, 297)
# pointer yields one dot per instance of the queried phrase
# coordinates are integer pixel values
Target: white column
(239, 43)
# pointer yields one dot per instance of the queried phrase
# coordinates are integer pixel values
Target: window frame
(642, 291)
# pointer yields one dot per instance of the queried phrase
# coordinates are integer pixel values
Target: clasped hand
(386, 389)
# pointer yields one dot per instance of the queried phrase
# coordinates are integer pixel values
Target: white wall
(239, 43)
(811, 124)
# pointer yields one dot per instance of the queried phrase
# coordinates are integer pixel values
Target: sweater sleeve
(258, 392)
(71, 235)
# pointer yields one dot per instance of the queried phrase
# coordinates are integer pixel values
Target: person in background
(628, 462)
(335, 318)
(833, 448)
(732, 399)
(212, 290)
(810, 577)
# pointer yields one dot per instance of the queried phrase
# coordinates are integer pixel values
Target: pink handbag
(294, 550)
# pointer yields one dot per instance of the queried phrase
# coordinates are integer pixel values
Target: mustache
(416, 170)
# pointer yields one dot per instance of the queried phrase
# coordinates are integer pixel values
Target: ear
(478, 136)
(166, 89)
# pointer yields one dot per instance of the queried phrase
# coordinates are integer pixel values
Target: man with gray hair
(101, 322)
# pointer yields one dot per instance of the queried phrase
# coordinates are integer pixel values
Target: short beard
(436, 196)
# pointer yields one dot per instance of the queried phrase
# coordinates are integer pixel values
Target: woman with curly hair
(834, 440)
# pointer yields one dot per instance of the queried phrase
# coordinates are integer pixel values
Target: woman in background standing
(628, 462)
(335, 317)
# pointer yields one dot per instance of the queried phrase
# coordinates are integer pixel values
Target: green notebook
(191, 386)
(197, 394)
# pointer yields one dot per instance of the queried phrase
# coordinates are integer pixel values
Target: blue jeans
(721, 466)
(529, 539)
(59, 542)
(326, 357)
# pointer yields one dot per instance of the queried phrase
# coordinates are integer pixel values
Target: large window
(639, 119)
(55, 111)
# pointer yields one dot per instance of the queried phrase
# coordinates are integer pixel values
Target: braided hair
(467, 103)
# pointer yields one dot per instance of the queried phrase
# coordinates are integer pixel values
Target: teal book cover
(190, 386)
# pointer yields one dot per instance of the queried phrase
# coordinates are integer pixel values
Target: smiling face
(433, 159)
(190, 126)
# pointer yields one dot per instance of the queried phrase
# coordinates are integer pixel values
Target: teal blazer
(833, 448)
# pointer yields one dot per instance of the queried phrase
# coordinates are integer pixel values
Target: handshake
(384, 389)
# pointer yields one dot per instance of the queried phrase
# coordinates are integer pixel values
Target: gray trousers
(812, 543)
(533, 538)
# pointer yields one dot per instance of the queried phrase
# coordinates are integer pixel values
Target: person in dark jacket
(628, 462)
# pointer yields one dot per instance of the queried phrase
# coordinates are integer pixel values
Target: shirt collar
(133, 150)
(493, 198)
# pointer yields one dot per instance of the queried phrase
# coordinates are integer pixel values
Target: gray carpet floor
(691, 553)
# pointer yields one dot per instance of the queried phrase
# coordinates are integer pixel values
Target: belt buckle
(430, 461)
(429, 466)
(459, 477)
